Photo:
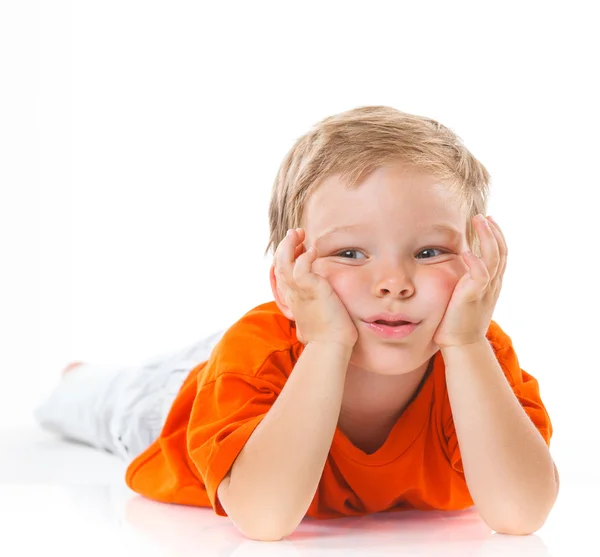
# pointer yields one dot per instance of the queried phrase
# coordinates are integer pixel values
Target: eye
(431, 250)
(343, 253)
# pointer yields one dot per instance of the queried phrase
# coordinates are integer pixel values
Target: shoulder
(265, 327)
(503, 348)
(260, 337)
(497, 337)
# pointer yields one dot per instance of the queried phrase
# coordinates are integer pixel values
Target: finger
(284, 261)
(497, 282)
(502, 245)
(478, 272)
(496, 227)
(303, 275)
(490, 253)
(300, 248)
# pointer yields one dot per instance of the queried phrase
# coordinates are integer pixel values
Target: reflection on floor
(61, 495)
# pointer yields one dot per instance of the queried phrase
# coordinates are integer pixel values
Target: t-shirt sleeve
(226, 412)
(524, 386)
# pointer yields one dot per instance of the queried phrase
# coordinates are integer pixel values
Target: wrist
(470, 346)
(339, 348)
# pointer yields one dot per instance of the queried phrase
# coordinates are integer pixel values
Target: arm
(509, 471)
(274, 478)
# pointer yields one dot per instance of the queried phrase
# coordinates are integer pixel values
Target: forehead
(391, 194)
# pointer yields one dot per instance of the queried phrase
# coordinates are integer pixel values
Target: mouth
(391, 329)
(391, 323)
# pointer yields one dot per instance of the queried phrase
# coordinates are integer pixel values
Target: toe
(71, 366)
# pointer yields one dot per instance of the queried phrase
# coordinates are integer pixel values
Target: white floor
(65, 498)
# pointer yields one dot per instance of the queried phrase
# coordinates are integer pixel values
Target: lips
(391, 319)
(396, 332)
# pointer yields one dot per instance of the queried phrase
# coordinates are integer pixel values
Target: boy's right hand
(319, 313)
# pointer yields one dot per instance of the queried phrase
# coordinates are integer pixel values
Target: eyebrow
(348, 227)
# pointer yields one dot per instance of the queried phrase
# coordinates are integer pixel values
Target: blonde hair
(356, 142)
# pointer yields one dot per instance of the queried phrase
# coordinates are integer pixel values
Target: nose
(393, 280)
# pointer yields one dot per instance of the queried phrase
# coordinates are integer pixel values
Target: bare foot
(72, 365)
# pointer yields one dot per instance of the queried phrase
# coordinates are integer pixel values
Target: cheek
(343, 281)
(444, 282)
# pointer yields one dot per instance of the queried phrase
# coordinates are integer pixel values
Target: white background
(139, 142)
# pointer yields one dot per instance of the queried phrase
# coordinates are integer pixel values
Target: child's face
(393, 261)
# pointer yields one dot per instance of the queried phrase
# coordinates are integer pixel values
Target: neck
(371, 396)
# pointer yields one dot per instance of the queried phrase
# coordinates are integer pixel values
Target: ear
(278, 297)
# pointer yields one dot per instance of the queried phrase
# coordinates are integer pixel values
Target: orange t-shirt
(223, 400)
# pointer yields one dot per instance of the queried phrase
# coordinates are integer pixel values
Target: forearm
(507, 464)
(276, 475)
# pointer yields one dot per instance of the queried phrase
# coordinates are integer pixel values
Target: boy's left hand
(469, 312)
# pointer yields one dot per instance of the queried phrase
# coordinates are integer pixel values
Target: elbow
(253, 523)
(263, 524)
(265, 535)
(264, 530)
(517, 529)
(257, 525)
(262, 527)
(518, 525)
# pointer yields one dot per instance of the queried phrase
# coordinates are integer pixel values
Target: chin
(380, 363)
(386, 359)
(383, 368)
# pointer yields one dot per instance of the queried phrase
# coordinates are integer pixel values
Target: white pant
(120, 409)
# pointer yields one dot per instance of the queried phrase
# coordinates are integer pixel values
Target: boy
(376, 380)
